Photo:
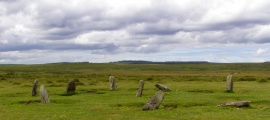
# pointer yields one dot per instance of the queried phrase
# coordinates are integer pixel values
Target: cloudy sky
(46, 31)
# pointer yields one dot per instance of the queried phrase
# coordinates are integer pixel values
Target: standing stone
(162, 87)
(71, 87)
(141, 85)
(155, 101)
(229, 83)
(112, 83)
(34, 90)
(44, 97)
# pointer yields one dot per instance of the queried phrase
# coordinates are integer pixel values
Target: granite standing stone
(229, 84)
(71, 87)
(34, 90)
(155, 101)
(44, 97)
(140, 90)
(112, 83)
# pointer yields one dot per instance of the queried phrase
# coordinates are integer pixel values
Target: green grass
(197, 90)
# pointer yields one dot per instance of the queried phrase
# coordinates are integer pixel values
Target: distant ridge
(165, 62)
(68, 63)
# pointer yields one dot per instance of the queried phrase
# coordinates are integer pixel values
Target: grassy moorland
(197, 90)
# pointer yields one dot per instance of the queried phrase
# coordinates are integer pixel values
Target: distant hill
(9, 64)
(68, 62)
(165, 62)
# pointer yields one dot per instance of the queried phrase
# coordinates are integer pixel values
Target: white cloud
(100, 37)
(261, 51)
(4, 41)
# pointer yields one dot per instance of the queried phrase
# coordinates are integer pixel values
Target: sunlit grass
(197, 91)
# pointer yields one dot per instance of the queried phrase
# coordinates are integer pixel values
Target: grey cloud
(263, 40)
(160, 26)
(152, 29)
(57, 46)
(18, 47)
(235, 24)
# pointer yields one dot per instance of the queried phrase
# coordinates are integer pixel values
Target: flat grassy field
(197, 91)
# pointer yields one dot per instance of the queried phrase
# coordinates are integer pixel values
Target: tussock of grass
(61, 81)
(80, 83)
(247, 78)
(49, 81)
(263, 80)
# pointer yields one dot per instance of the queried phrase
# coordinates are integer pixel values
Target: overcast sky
(46, 31)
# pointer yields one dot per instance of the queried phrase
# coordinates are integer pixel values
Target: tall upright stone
(44, 97)
(34, 90)
(155, 101)
(229, 83)
(112, 83)
(140, 90)
(71, 87)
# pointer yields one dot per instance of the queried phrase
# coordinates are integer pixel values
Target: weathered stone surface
(71, 87)
(140, 90)
(34, 90)
(229, 83)
(44, 97)
(112, 83)
(155, 101)
(162, 87)
(237, 104)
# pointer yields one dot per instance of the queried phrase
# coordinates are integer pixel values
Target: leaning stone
(141, 85)
(229, 84)
(71, 87)
(112, 83)
(34, 90)
(237, 104)
(44, 97)
(162, 87)
(155, 101)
